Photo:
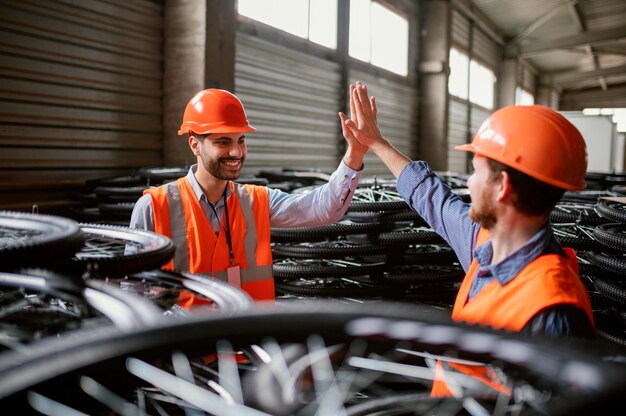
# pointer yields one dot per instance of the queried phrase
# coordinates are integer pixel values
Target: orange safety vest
(179, 216)
(547, 281)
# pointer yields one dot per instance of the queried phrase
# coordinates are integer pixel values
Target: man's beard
(486, 217)
(214, 167)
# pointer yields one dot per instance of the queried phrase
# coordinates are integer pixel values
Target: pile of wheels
(381, 249)
(57, 275)
(90, 325)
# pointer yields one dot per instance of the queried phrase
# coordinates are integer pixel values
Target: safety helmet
(535, 140)
(214, 111)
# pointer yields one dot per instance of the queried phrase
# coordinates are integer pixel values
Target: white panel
(600, 134)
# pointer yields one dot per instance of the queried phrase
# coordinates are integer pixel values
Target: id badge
(234, 276)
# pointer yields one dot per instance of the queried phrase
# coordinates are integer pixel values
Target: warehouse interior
(92, 94)
(98, 90)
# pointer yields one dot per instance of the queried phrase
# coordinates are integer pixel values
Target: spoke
(50, 407)
(324, 381)
(228, 371)
(197, 396)
(280, 370)
(108, 398)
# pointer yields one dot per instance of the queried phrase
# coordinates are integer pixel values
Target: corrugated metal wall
(457, 134)
(458, 109)
(526, 78)
(292, 99)
(397, 117)
(481, 47)
(484, 49)
(80, 94)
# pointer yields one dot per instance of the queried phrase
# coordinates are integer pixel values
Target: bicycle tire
(613, 263)
(327, 250)
(614, 290)
(565, 212)
(614, 211)
(55, 304)
(441, 254)
(327, 286)
(224, 298)
(158, 175)
(105, 252)
(53, 369)
(294, 269)
(406, 236)
(611, 235)
(324, 232)
(35, 240)
(424, 274)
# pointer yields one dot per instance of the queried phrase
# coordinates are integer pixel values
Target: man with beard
(220, 227)
(518, 277)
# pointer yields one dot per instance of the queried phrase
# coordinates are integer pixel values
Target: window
(459, 73)
(379, 36)
(315, 20)
(523, 97)
(470, 79)
(482, 81)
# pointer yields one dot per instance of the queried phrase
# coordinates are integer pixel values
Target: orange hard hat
(214, 111)
(535, 140)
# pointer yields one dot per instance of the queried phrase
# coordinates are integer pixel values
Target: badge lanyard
(233, 271)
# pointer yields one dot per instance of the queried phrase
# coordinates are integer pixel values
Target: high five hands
(361, 129)
(362, 126)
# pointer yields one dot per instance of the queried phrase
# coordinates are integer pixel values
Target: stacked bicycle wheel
(381, 249)
(58, 276)
(608, 272)
(327, 360)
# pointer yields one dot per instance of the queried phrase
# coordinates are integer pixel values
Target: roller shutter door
(80, 94)
(292, 99)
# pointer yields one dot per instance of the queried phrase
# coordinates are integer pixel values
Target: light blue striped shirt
(323, 205)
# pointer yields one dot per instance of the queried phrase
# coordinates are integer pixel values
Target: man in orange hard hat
(220, 227)
(518, 277)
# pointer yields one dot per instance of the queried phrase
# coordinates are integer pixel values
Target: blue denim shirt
(448, 215)
(541, 243)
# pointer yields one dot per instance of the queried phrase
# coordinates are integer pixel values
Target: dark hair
(532, 197)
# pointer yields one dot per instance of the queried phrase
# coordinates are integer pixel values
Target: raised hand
(362, 128)
(363, 124)
(347, 133)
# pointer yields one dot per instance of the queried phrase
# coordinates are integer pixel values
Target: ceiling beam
(574, 76)
(540, 21)
(582, 27)
(467, 8)
(590, 38)
(595, 97)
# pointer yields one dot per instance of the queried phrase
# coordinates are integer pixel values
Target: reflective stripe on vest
(178, 215)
